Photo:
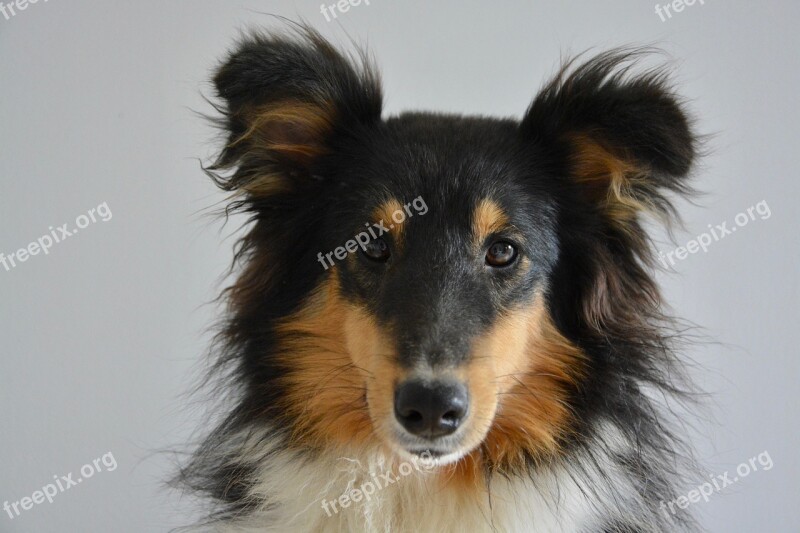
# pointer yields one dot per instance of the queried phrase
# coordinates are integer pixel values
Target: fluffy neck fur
(593, 490)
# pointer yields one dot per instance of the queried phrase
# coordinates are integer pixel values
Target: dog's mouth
(435, 456)
(441, 451)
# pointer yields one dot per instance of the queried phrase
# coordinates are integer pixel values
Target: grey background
(101, 338)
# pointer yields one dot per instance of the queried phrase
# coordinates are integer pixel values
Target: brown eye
(501, 254)
(377, 250)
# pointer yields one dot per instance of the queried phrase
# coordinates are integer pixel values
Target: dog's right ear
(286, 100)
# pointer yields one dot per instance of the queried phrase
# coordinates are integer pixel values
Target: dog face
(426, 283)
(442, 307)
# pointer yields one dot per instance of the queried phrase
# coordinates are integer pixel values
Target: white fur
(555, 499)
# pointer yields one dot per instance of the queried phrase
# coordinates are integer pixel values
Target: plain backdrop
(100, 339)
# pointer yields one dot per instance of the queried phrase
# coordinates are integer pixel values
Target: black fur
(434, 297)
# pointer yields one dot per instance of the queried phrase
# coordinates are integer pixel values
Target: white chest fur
(375, 495)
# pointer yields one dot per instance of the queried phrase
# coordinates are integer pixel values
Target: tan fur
(371, 349)
(327, 389)
(343, 371)
(343, 374)
(533, 416)
(288, 131)
(620, 301)
(487, 218)
(611, 179)
(384, 212)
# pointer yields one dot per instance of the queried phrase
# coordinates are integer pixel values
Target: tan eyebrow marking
(487, 218)
(388, 213)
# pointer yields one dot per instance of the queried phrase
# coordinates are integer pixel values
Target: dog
(442, 322)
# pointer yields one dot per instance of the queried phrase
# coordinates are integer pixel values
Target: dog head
(435, 283)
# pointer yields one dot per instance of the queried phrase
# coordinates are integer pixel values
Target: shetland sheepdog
(442, 322)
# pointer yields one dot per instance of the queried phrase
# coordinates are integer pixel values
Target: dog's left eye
(500, 254)
(377, 250)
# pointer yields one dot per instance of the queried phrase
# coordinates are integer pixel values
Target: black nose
(431, 409)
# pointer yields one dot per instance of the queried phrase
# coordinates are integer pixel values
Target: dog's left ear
(622, 140)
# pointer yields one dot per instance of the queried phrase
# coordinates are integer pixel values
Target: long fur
(621, 457)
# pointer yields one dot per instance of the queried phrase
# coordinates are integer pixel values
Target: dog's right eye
(377, 250)
(501, 254)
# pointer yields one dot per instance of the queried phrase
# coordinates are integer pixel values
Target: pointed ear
(286, 100)
(623, 139)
